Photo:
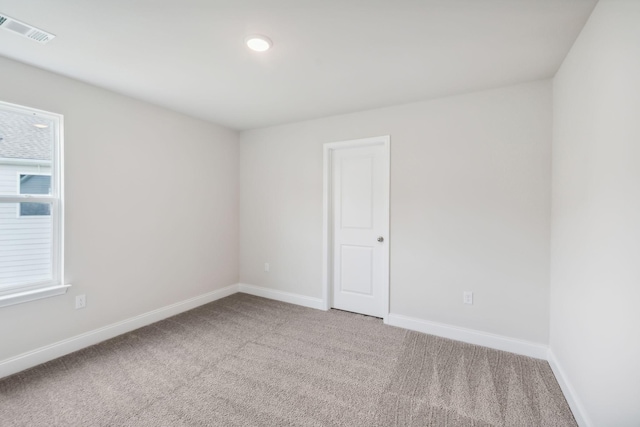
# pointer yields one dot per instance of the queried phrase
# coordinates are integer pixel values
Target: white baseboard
(569, 392)
(472, 336)
(44, 354)
(283, 296)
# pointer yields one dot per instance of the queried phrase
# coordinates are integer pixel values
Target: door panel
(356, 190)
(356, 275)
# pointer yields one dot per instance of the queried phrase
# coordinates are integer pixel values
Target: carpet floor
(249, 361)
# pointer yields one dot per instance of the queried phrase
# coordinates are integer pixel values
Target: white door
(359, 208)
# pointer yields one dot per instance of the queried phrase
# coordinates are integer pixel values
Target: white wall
(470, 206)
(151, 208)
(595, 252)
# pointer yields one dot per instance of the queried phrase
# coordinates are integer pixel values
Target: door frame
(327, 223)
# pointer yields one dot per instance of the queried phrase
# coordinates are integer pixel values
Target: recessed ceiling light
(41, 126)
(258, 43)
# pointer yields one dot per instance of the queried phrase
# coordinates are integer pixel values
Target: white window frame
(18, 214)
(24, 292)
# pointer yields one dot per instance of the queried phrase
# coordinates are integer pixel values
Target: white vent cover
(24, 30)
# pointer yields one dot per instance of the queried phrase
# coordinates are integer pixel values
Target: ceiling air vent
(24, 30)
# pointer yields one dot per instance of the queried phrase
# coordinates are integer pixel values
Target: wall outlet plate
(467, 297)
(81, 301)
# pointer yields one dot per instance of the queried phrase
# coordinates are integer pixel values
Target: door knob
(380, 239)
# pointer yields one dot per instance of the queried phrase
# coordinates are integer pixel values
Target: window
(30, 204)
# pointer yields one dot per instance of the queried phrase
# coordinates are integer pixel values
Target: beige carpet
(248, 361)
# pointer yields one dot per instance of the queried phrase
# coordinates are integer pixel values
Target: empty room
(320, 213)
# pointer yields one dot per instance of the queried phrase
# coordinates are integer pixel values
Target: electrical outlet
(81, 301)
(266, 267)
(467, 297)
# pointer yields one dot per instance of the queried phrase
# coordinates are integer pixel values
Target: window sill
(20, 297)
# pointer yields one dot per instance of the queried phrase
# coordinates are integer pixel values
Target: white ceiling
(329, 56)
